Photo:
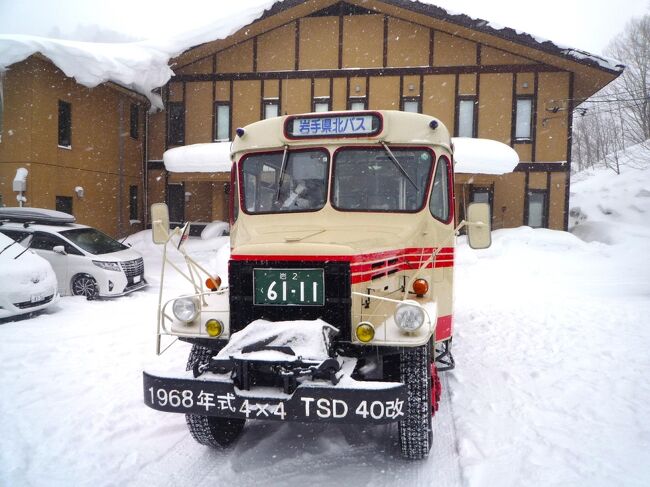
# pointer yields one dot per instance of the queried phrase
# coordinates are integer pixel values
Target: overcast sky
(585, 24)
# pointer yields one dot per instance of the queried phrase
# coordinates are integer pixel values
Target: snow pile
(211, 157)
(307, 339)
(135, 65)
(613, 208)
(483, 156)
(214, 229)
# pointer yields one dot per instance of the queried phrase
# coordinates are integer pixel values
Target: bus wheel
(209, 430)
(415, 431)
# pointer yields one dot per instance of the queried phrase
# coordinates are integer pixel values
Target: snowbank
(214, 229)
(212, 157)
(483, 156)
(136, 65)
(613, 208)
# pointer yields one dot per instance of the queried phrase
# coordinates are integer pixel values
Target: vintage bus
(338, 305)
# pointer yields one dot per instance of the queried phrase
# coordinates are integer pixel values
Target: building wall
(102, 158)
(382, 59)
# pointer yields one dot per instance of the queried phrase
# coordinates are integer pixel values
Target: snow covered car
(86, 261)
(27, 281)
(339, 299)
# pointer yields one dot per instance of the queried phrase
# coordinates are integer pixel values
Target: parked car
(86, 261)
(27, 281)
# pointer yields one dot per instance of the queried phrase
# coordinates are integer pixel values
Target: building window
(222, 121)
(133, 203)
(537, 209)
(271, 108)
(482, 194)
(65, 124)
(523, 119)
(321, 105)
(176, 124)
(465, 127)
(64, 204)
(135, 118)
(411, 104)
(359, 103)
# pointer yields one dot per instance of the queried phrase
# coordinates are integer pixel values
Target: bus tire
(209, 430)
(415, 430)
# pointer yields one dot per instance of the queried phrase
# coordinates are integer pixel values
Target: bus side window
(439, 203)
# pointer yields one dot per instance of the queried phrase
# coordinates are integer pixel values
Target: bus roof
(347, 127)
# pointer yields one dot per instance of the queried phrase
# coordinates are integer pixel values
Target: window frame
(459, 101)
(407, 99)
(426, 190)
(357, 99)
(320, 100)
(545, 209)
(180, 120)
(240, 167)
(450, 193)
(270, 102)
(215, 125)
(67, 199)
(65, 125)
(515, 119)
(473, 189)
(133, 209)
(2, 106)
(134, 121)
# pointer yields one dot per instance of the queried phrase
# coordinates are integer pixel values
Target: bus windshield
(272, 183)
(374, 179)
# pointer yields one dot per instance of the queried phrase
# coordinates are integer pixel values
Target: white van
(86, 261)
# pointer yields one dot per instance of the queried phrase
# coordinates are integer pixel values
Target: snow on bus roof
(212, 157)
(483, 156)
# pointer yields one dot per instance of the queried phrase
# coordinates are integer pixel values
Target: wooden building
(83, 147)
(303, 56)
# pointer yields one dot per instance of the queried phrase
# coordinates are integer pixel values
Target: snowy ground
(550, 388)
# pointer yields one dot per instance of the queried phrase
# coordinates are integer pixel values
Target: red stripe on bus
(443, 328)
(410, 253)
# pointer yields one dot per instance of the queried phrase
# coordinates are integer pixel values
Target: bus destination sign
(333, 126)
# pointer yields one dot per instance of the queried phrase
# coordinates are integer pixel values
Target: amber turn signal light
(213, 283)
(420, 287)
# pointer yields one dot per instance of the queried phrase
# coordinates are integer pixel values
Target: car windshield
(381, 180)
(93, 241)
(273, 183)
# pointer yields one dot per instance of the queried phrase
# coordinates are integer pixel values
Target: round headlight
(409, 317)
(186, 309)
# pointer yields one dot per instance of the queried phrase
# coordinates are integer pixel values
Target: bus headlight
(186, 309)
(409, 316)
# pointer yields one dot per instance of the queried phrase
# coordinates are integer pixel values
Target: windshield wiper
(7, 246)
(399, 166)
(283, 168)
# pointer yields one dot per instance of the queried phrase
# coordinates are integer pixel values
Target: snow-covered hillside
(552, 332)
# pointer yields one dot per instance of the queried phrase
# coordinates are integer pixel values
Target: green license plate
(299, 287)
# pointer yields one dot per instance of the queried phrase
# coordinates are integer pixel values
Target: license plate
(298, 287)
(136, 279)
(37, 297)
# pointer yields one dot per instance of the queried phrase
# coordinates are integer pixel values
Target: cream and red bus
(338, 305)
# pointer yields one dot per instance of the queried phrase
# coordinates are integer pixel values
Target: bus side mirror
(478, 225)
(160, 223)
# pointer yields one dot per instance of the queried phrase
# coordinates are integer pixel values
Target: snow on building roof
(214, 157)
(134, 65)
(143, 66)
(483, 156)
